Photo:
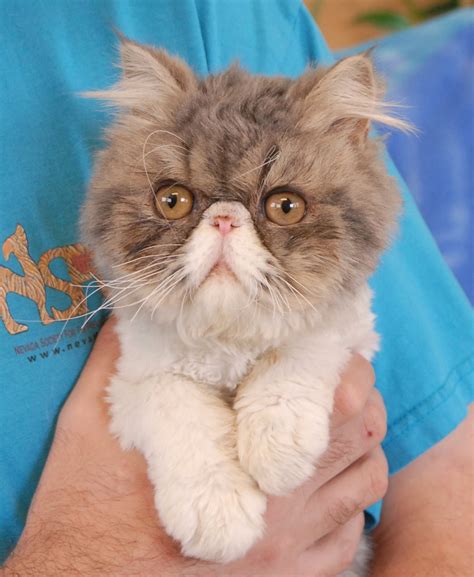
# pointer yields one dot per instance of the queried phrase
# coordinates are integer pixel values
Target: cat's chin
(222, 271)
(221, 291)
(217, 307)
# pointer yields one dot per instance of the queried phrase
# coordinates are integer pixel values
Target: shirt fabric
(51, 50)
(428, 69)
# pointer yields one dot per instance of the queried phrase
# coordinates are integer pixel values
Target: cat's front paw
(217, 519)
(278, 445)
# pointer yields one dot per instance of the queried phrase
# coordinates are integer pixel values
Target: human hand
(93, 511)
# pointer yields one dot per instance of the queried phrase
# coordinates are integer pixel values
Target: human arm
(93, 511)
(427, 519)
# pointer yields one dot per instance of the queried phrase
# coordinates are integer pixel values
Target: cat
(236, 219)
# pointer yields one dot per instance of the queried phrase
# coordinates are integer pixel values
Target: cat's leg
(187, 434)
(283, 411)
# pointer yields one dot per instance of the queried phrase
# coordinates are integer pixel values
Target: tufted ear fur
(150, 79)
(348, 96)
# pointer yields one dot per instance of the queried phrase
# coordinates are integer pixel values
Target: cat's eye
(285, 208)
(174, 201)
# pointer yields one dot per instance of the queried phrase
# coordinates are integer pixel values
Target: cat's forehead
(233, 124)
(238, 135)
(236, 104)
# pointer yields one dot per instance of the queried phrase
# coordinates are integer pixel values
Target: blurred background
(425, 51)
(349, 22)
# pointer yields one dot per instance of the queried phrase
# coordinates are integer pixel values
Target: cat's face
(238, 192)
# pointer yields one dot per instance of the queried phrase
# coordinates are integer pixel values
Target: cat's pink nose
(224, 223)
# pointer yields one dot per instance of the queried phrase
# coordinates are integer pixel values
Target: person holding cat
(437, 370)
(315, 531)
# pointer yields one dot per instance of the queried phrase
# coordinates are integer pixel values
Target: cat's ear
(348, 97)
(150, 78)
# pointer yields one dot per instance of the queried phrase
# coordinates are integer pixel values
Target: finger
(353, 391)
(334, 553)
(350, 442)
(361, 485)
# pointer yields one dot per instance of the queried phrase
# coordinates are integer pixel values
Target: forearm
(54, 552)
(414, 554)
(50, 553)
(70, 532)
(426, 527)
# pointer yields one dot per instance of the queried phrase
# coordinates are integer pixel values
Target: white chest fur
(151, 348)
(212, 460)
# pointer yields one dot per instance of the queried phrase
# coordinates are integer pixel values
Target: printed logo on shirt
(37, 276)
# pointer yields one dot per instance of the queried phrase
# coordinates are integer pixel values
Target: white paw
(217, 519)
(279, 445)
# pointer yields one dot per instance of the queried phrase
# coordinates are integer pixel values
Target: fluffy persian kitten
(236, 219)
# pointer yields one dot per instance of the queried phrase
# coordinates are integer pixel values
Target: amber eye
(285, 208)
(174, 201)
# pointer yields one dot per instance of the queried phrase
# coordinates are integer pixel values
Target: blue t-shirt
(50, 51)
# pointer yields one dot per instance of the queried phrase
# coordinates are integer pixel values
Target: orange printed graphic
(37, 276)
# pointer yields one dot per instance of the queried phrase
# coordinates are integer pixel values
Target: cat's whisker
(171, 134)
(136, 283)
(295, 294)
(106, 305)
(153, 265)
(160, 286)
(252, 299)
(268, 161)
(283, 296)
(305, 288)
(148, 297)
(52, 321)
(165, 290)
(139, 280)
(160, 146)
(259, 299)
(150, 183)
(129, 277)
(111, 308)
(131, 287)
(159, 246)
(157, 257)
(278, 295)
(119, 295)
(277, 298)
(143, 158)
(77, 306)
(86, 284)
(183, 300)
(275, 276)
(272, 296)
(165, 293)
(301, 294)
